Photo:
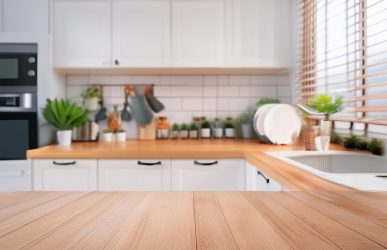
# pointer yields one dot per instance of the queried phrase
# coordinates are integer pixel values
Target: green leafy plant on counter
(336, 138)
(206, 124)
(121, 130)
(350, 141)
(184, 127)
(108, 130)
(326, 104)
(229, 123)
(375, 146)
(175, 127)
(267, 100)
(64, 114)
(217, 122)
(193, 127)
(91, 92)
(362, 144)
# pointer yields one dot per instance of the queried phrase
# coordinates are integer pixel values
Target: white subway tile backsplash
(77, 79)
(192, 104)
(209, 104)
(171, 103)
(239, 104)
(210, 80)
(100, 79)
(121, 79)
(145, 80)
(210, 91)
(228, 91)
(223, 104)
(269, 79)
(283, 91)
(244, 91)
(187, 91)
(263, 91)
(181, 80)
(222, 80)
(162, 91)
(239, 80)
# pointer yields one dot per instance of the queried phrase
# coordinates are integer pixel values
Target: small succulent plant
(351, 141)
(184, 127)
(375, 146)
(362, 144)
(121, 130)
(108, 130)
(193, 127)
(336, 138)
(175, 127)
(206, 124)
(229, 123)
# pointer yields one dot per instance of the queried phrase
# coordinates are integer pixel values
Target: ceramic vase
(64, 137)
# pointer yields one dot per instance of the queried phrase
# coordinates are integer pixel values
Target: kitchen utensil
(101, 114)
(125, 114)
(153, 102)
(282, 124)
(148, 132)
(141, 111)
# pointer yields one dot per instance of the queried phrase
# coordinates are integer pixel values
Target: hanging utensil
(125, 114)
(141, 111)
(101, 114)
(153, 102)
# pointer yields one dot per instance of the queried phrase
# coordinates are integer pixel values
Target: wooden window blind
(343, 48)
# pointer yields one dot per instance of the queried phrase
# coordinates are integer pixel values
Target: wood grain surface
(193, 220)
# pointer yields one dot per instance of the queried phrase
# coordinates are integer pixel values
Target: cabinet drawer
(15, 176)
(64, 174)
(140, 175)
(265, 183)
(208, 175)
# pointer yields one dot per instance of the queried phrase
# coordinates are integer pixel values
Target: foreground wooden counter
(193, 220)
(290, 177)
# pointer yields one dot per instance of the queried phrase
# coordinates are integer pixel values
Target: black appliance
(18, 100)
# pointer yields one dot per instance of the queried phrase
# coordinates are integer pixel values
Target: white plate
(261, 117)
(282, 124)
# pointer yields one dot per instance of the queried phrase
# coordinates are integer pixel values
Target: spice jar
(162, 128)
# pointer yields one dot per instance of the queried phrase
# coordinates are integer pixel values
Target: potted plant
(375, 146)
(64, 115)
(245, 124)
(175, 131)
(229, 127)
(193, 131)
(91, 97)
(218, 128)
(205, 130)
(267, 100)
(184, 131)
(121, 135)
(108, 134)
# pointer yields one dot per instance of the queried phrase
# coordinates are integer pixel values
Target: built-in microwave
(18, 64)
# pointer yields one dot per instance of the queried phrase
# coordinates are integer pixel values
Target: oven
(18, 64)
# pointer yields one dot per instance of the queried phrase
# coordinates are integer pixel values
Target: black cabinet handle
(148, 163)
(64, 163)
(205, 163)
(116, 62)
(264, 177)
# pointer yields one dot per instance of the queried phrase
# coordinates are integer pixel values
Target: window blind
(343, 48)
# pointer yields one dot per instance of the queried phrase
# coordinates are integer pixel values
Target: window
(344, 53)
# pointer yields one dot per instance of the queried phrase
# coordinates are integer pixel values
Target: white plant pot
(218, 132)
(64, 137)
(121, 136)
(175, 134)
(108, 136)
(205, 132)
(193, 134)
(230, 132)
(91, 103)
(247, 130)
(184, 134)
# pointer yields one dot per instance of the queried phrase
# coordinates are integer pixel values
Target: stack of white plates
(280, 123)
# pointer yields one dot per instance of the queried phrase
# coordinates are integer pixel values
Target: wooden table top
(289, 176)
(193, 220)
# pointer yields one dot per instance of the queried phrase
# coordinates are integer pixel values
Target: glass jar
(162, 128)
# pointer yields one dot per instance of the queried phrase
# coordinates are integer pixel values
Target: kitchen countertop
(289, 176)
(193, 220)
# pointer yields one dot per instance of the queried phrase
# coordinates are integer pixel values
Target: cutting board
(148, 132)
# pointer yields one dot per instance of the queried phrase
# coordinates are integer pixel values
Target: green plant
(246, 117)
(362, 144)
(193, 127)
(267, 100)
(91, 92)
(108, 130)
(206, 124)
(336, 138)
(121, 130)
(175, 127)
(229, 123)
(375, 146)
(64, 114)
(324, 103)
(350, 141)
(217, 122)
(184, 127)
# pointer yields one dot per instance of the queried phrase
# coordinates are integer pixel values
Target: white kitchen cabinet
(208, 175)
(15, 175)
(257, 33)
(256, 180)
(141, 33)
(25, 15)
(134, 175)
(82, 33)
(64, 175)
(197, 33)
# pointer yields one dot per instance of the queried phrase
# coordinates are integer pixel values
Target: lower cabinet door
(64, 175)
(15, 175)
(137, 175)
(208, 175)
(265, 183)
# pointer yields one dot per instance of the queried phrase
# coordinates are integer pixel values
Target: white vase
(108, 136)
(230, 132)
(64, 137)
(91, 103)
(218, 132)
(247, 130)
(183, 134)
(193, 134)
(205, 132)
(121, 136)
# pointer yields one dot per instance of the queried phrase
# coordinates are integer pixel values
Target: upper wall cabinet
(24, 16)
(257, 33)
(197, 33)
(141, 33)
(82, 33)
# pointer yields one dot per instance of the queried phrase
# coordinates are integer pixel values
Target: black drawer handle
(205, 163)
(148, 163)
(64, 163)
(264, 177)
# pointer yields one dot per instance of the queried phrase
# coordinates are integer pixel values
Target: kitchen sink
(355, 170)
